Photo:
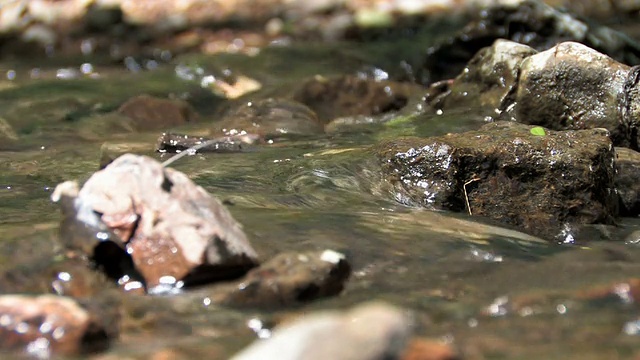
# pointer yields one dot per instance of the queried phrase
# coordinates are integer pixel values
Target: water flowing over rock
(543, 182)
(174, 232)
(270, 118)
(287, 279)
(367, 332)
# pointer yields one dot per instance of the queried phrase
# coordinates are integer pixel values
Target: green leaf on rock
(538, 131)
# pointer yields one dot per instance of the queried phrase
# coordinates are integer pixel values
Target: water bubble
(46, 327)
(6, 320)
(58, 333)
(39, 348)
(131, 64)
(632, 327)
(166, 55)
(150, 64)
(133, 285)
(35, 73)
(561, 309)
(66, 74)
(498, 307)
(87, 46)
(64, 276)
(259, 328)
(86, 68)
(22, 328)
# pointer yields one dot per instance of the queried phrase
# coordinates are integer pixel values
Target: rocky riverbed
(348, 180)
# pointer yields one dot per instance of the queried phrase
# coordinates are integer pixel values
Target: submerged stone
(344, 96)
(287, 279)
(150, 113)
(269, 118)
(136, 216)
(367, 332)
(46, 325)
(542, 184)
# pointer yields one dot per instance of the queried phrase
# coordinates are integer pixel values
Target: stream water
(490, 291)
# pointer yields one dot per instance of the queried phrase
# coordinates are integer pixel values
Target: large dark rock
(542, 184)
(137, 217)
(287, 279)
(571, 86)
(370, 331)
(487, 82)
(528, 22)
(567, 87)
(627, 184)
(47, 325)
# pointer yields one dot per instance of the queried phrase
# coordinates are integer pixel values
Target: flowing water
(490, 291)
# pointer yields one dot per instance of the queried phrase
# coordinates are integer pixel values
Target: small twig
(192, 150)
(466, 197)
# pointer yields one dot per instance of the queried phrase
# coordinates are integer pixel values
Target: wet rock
(69, 276)
(423, 349)
(628, 167)
(151, 113)
(571, 86)
(528, 22)
(270, 118)
(135, 216)
(287, 279)
(487, 81)
(45, 325)
(540, 183)
(568, 87)
(367, 332)
(353, 95)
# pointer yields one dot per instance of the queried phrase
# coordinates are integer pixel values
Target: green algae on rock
(541, 184)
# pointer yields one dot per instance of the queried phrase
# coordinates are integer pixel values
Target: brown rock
(423, 349)
(487, 81)
(368, 332)
(270, 118)
(287, 279)
(151, 113)
(571, 87)
(547, 185)
(174, 231)
(628, 173)
(48, 324)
